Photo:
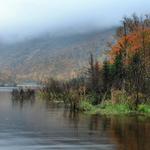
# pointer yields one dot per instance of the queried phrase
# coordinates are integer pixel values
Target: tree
(95, 80)
(136, 75)
(119, 71)
(130, 56)
(106, 76)
(94, 75)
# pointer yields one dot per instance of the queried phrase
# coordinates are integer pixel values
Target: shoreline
(114, 109)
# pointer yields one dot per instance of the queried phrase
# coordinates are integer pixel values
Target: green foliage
(106, 75)
(85, 105)
(94, 98)
(122, 108)
(110, 108)
(144, 108)
(105, 108)
(119, 70)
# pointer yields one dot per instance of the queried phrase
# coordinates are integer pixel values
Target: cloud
(22, 18)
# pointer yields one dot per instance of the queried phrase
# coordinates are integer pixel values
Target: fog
(21, 19)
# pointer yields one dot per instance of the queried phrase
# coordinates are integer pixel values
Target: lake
(38, 124)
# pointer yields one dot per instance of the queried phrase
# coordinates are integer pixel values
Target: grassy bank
(115, 109)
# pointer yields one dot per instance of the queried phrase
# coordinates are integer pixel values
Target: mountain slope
(47, 55)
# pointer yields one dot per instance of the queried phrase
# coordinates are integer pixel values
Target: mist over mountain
(51, 55)
(21, 19)
(44, 38)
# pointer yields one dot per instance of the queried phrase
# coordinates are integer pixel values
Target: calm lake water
(40, 125)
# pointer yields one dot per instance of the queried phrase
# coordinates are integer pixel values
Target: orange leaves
(132, 42)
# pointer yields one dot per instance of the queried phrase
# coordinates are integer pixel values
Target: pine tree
(136, 75)
(106, 76)
(119, 70)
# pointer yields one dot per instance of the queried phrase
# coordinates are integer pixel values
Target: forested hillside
(51, 55)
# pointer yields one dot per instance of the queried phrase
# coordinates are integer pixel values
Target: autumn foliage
(132, 42)
(130, 57)
(125, 72)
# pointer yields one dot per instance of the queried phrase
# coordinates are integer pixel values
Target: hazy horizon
(21, 19)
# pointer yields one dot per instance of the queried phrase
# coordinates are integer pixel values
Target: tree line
(123, 76)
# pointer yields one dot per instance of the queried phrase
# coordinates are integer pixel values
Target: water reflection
(73, 118)
(131, 133)
(40, 124)
(21, 97)
(126, 132)
(50, 105)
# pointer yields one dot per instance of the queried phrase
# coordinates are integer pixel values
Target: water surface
(37, 124)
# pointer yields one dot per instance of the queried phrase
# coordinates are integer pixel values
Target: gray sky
(22, 18)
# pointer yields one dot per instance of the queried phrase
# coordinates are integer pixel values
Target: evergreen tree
(136, 75)
(119, 70)
(106, 75)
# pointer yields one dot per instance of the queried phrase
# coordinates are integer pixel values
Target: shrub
(119, 97)
(145, 108)
(85, 105)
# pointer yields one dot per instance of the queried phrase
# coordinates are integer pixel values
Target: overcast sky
(21, 18)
